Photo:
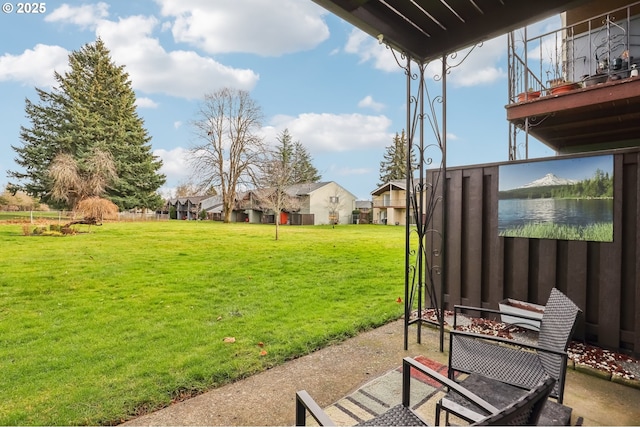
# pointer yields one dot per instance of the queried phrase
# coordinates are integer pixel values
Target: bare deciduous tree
(335, 203)
(229, 150)
(277, 175)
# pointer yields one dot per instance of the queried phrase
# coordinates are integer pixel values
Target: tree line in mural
(599, 186)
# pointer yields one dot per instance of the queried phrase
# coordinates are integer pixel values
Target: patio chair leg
(301, 413)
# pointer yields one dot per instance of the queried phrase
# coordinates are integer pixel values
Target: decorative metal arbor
(425, 244)
(426, 184)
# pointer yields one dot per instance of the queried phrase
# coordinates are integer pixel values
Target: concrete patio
(330, 374)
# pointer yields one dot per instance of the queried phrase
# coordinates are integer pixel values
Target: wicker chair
(521, 365)
(524, 411)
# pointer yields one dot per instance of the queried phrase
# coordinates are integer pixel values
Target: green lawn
(97, 327)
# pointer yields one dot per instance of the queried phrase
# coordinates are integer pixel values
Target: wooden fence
(603, 279)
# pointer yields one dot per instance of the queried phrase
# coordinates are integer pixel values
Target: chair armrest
(460, 411)
(509, 342)
(459, 308)
(408, 363)
(304, 403)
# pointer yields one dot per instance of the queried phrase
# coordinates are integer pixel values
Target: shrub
(97, 208)
(39, 230)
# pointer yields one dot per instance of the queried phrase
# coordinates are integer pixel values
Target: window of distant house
(386, 199)
(334, 199)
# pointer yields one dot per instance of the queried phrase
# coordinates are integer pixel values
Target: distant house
(363, 213)
(185, 207)
(390, 203)
(322, 203)
(247, 208)
(212, 205)
(317, 203)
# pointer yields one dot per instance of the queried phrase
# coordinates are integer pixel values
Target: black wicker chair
(522, 365)
(524, 411)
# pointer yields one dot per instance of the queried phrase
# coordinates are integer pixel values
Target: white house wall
(319, 203)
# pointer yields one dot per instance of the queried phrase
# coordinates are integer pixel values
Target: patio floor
(332, 373)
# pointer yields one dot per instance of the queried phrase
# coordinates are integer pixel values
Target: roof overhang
(389, 186)
(428, 29)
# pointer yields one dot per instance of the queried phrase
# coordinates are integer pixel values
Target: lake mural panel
(564, 199)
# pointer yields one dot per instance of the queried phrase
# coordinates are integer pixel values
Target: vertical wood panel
(454, 236)
(472, 238)
(635, 308)
(434, 240)
(545, 271)
(518, 269)
(629, 242)
(610, 270)
(592, 286)
(493, 260)
(576, 280)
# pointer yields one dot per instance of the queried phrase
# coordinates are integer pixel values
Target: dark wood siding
(602, 278)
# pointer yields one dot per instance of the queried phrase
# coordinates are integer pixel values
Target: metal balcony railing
(590, 51)
(390, 203)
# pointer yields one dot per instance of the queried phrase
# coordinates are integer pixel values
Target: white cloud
(480, 67)
(34, 66)
(174, 164)
(183, 74)
(249, 26)
(152, 69)
(142, 102)
(368, 102)
(177, 124)
(370, 50)
(215, 26)
(85, 16)
(333, 132)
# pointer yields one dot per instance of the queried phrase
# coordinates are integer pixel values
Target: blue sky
(338, 91)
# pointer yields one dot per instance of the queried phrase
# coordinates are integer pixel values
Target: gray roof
(304, 189)
(182, 200)
(210, 203)
(364, 204)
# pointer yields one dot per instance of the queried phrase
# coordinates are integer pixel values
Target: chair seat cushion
(501, 362)
(398, 415)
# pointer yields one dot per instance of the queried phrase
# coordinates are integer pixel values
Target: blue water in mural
(518, 212)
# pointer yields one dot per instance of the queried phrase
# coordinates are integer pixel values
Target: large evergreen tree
(394, 165)
(91, 108)
(303, 169)
(297, 158)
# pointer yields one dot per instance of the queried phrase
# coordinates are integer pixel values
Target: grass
(599, 232)
(96, 328)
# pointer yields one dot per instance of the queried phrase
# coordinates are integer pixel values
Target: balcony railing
(597, 49)
(390, 203)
